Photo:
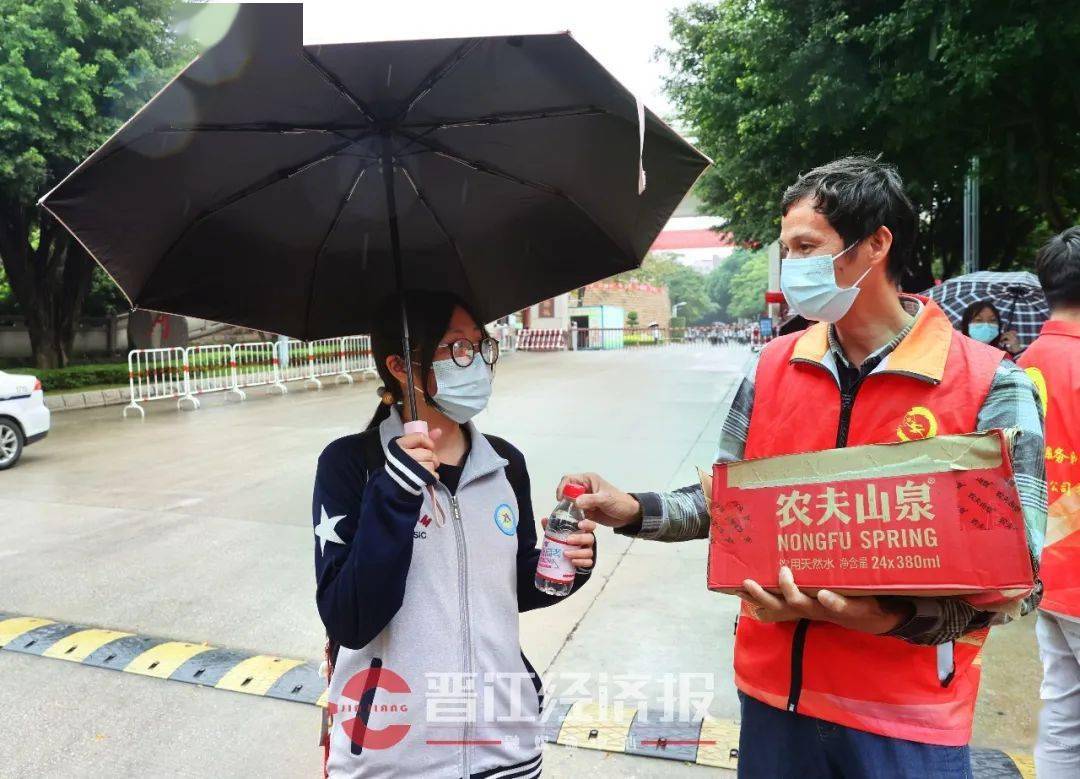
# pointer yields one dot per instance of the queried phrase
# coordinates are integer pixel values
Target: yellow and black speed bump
(675, 740)
(712, 742)
(709, 742)
(202, 664)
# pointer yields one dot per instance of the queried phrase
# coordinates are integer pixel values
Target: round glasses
(463, 351)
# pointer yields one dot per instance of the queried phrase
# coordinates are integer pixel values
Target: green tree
(72, 71)
(684, 284)
(718, 282)
(771, 88)
(632, 319)
(748, 287)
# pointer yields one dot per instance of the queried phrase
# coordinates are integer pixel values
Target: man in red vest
(853, 686)
(1053, 363)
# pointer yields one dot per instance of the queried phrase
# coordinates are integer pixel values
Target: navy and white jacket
(418, 585)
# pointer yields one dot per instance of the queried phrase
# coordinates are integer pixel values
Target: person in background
(982, 322)
(832, 685)
(1053, 363)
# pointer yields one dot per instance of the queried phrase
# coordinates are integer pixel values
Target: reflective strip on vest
(933, 383)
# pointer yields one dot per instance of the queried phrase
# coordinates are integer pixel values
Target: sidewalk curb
(92, 399)
(117, 396)
(585, 724)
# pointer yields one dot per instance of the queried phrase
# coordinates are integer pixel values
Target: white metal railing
(210, 369)
(255, 365)
(293, 361)
(184, 374)
(356, 355)
(581, 338)
(325, 359)
(157, 374)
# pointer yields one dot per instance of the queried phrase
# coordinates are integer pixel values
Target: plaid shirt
(1012, 402)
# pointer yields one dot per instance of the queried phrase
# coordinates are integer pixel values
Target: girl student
(425, 553)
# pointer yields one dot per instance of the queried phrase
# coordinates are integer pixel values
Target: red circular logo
(360, 692)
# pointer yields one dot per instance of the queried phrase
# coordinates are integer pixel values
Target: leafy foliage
(72, 71)
(684, 284)
(719, 282)
(771, 88)
(76, 377)
(748, 286)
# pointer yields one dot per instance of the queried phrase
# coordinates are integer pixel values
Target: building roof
(691, 239)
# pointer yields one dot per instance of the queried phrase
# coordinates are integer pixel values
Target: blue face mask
(462, 392)
(984, 331)
(809, 285)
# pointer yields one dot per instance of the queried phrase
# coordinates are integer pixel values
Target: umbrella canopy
(266, 185)
(1017, 296)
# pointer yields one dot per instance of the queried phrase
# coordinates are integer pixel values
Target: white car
(24, 418)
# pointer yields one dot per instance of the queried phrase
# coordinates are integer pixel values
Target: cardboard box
(936, 516)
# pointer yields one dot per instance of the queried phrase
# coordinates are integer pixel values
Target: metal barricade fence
(210, 369)
(356, 355)
(157, 374)
(541, 340)
(327, 359)
(255, 365)
(294, 361)
(626, 337)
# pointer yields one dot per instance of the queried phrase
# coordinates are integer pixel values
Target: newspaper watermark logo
(492, 708)
(357, 703)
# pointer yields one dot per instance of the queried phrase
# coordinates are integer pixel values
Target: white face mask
(462, 392)
(809, 285)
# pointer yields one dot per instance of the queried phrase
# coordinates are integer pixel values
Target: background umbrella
(1017, 296)
(289, 188)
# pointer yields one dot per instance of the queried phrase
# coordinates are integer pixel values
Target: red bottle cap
(574, 491)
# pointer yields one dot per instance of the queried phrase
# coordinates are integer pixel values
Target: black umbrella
(289, 188)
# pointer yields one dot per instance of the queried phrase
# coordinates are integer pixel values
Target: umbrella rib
(256, 186)
(493, 170)
(519, 116)
(258, 127)
(326, 239)
(442, 228)
(331, 78)
(413, 140)
(435, 76)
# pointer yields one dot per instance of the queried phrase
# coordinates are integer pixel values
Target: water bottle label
(553, 564)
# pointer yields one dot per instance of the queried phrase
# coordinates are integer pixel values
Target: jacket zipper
(463, 591)
(466, 638)
(798, 640)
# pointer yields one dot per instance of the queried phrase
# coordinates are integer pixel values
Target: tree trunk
(50, 282)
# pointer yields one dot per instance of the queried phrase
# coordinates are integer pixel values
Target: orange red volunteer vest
(1053, 363)
(933, 383)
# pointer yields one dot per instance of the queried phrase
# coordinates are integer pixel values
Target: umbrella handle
(420, 426)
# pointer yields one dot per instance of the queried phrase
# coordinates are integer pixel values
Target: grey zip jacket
(420, 592)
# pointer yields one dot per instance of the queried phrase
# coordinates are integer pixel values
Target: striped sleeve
(410, 475)
(1013, 402)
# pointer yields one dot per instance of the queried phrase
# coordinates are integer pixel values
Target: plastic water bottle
(554, 573)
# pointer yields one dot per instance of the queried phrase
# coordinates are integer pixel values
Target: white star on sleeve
(326, 530)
